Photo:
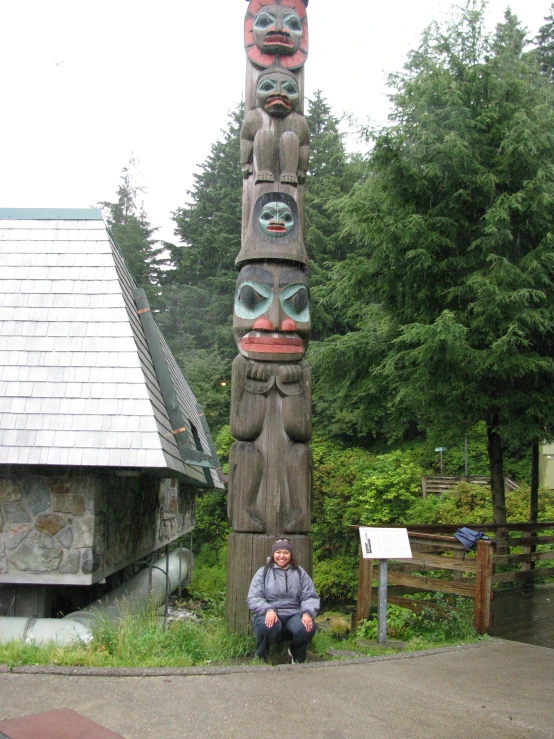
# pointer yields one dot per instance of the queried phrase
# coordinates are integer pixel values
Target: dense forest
(432, 290)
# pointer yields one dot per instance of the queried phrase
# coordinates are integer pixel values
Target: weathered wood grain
(365, 578)
(437, 562)
(429, 583)
(503, 559)
(483, 586)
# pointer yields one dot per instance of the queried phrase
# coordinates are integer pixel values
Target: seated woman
(283, 600)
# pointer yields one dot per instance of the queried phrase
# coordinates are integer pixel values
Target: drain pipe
(127, 599)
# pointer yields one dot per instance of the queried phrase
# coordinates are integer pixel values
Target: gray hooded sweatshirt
(288, 592)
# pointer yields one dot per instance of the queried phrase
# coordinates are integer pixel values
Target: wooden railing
(437, 484)
(433, 552)
(473, 576)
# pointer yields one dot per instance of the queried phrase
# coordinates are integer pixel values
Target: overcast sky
(85, 84)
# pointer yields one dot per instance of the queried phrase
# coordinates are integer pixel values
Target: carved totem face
(271, 320)
(276, 28)
(276, 219)
(277, 93)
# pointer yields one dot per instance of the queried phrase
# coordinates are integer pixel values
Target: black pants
(290, 627)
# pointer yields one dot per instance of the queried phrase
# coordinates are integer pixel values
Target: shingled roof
(78, 384)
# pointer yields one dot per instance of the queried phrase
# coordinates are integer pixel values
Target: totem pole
(270, 461)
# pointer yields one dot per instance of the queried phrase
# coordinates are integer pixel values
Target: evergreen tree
(133, 234)
(198, 290)
(545, 46)
(452, 276)
(331, 174)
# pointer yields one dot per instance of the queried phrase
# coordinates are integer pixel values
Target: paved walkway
(493, 689)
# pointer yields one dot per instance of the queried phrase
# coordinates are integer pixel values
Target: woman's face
(282, 557)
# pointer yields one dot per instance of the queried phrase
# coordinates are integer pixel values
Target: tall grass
(141, 641)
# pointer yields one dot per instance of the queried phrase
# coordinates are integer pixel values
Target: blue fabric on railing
(469, 538)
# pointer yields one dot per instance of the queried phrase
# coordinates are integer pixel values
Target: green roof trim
(51, 214)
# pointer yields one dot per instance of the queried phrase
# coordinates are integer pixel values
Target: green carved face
(276, 219)
(271, 318)
(277, 30)
(277, 93)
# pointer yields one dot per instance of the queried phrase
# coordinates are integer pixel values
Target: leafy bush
(336, 579)
(468, 503)
(385, 491)
(209, 573)
(446, 618)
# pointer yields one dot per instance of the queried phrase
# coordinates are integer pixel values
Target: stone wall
(74, 529)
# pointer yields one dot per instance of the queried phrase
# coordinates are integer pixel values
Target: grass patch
(141, 641)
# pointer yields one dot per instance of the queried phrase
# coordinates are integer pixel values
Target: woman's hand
(308, 622)
(270, 618)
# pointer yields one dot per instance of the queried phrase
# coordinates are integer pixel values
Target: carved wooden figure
(275, 139)
(270, 461)
(269, 465)
(276, 29)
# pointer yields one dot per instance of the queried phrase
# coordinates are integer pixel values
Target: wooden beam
(505, 559)
(532, 575)
(483, 586)
(365, 577)
(436, 562)
(430, 583)
(524, 540)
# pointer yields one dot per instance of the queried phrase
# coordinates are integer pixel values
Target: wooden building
(102, 443)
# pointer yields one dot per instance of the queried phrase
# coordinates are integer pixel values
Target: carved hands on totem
(271, 320)
(262, 372)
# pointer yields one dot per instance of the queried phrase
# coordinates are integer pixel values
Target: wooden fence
(437, 484)
(473, 575)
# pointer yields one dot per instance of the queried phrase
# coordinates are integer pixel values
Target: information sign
(385, 543)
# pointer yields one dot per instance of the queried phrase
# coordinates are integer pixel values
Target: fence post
(483, 586)
(365, 577)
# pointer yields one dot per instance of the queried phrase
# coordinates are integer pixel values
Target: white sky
(85, 84)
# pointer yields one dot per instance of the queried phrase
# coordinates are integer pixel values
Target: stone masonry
(74, 529)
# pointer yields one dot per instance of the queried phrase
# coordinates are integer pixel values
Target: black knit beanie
(281, 544)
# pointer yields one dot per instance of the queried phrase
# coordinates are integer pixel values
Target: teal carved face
(276, 219)
(277, 30)
(271, 318)
(277, 93)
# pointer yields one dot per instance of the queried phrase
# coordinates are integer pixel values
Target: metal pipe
(127, 599)
(38, 631)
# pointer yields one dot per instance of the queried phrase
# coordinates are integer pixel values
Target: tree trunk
(496, 466)
(534, 499)
(533, 504)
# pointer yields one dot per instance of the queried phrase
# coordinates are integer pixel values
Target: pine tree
(133, 234)
(332, 174)
(452, 278)
(545, 46)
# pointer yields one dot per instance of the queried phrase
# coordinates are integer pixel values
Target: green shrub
(445, 619)
(209, 573)
(336, 579)
(385, 491)
(467, 503)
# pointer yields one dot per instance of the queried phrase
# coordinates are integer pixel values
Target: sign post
(384, 544)
(440, 449)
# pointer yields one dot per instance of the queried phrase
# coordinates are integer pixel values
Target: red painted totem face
(276, 29)
(271, 320)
